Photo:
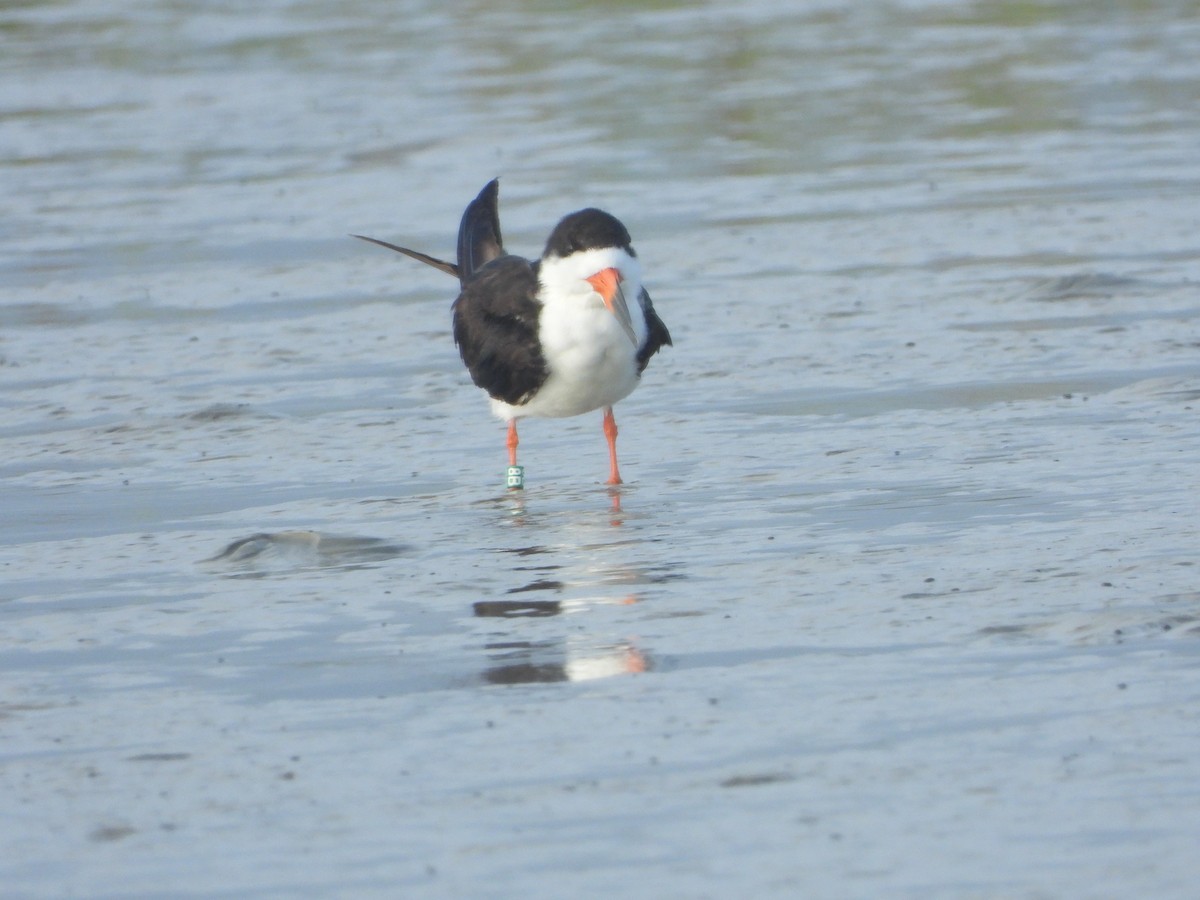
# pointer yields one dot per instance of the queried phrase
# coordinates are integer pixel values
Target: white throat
(567, 275)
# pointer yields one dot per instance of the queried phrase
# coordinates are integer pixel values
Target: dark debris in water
(757, 779)
(305, 548)
(1083, 285)
(159, 757)
(1003, 629)
(109, 833)
(218, 411)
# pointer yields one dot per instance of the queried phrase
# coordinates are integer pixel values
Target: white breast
(592, 362)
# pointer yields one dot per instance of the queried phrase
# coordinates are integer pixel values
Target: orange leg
(512, 442)
(610, 432)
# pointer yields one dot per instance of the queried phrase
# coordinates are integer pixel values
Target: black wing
(496, 329)
(656, 333)
(479, 240)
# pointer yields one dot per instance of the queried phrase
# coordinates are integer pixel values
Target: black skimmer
(554, 336)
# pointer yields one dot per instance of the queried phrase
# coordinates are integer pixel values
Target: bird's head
(592, 248)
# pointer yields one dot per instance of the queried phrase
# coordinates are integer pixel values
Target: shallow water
(900, 598)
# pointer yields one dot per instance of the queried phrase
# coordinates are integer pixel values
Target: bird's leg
(515, 477)
(512, 442)
(610, 432)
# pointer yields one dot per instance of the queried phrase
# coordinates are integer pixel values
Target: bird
(556, 336)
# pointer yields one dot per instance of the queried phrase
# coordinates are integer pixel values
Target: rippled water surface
(900, 598)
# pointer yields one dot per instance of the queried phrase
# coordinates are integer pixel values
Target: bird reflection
(508, 609)
(518, 513)
(515, 609)
(566, 563)
(515, 501)
(614, 496)
(541, 662)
